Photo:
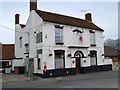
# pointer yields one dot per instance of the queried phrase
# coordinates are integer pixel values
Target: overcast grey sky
(104, 14)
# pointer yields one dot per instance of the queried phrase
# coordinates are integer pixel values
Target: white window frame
(39, 63)
(59, 59)
(59, 62)
(39, 37)
(93, 58)
(58, 35)
(20, 42)
(93, 61)
(92, 38)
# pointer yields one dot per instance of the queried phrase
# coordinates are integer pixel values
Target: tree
(115, 43)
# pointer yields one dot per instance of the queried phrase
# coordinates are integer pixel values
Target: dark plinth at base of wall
(57, 72)
(95, 68)
(72, 71)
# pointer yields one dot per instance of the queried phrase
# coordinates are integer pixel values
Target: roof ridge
(62, 15)
(67, 20)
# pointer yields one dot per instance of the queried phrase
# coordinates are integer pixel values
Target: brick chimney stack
(33, 5)
(17, 18)
(88, 17)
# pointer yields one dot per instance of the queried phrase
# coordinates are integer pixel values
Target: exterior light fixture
(50, 54)
(69, 55)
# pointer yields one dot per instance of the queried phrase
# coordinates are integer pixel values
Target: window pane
(58, 35)
(93, 58)
(27, 49)
(59, 60)
(92, 38)
(20, 42)
(39, 63)
(39, 37)
(58, 63)
(39, 51)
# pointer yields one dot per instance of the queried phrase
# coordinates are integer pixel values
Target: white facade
(17, 62)
(72, 44)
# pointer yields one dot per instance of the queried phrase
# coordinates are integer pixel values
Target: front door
(78, 65)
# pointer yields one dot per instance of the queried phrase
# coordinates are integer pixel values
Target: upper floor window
(39, 63)
(20, 42)
(39, 51)
(58, 34)
(27, 48)
(92, 37)
(39, 37)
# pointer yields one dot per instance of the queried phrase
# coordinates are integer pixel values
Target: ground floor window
(5, 64)
(59, 59)
(39, 63)
(93, 58)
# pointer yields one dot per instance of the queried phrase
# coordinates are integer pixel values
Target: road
(107, 79)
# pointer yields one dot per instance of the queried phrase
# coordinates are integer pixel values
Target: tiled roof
(67, 20)
(7, 51)
(111, 52)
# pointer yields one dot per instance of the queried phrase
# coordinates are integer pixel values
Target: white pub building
(56, 45)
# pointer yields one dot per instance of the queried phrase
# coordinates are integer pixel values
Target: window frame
(58, 53)
(59, 34)
(39, 51)
(39, 38)
(92, 38)
(39, 63)
(93, 57)
(20, 42)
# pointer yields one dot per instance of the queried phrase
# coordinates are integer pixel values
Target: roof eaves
(90, 26)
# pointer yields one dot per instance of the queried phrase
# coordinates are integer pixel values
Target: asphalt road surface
(107, 79)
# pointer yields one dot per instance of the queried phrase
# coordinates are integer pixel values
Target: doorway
(78, 55)
(77, 65)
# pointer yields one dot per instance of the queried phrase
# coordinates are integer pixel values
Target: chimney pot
(88, 17)
(17, 18)
(33, 5)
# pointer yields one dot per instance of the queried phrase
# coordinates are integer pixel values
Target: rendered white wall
(35, 24)
(17, 62)
(18, 34)
(107, 61)
(69, 37)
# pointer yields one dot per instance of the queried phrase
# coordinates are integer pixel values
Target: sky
(104, 14)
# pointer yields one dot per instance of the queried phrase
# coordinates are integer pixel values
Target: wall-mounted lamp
(50, 54)
(69, 55)
(103, 54)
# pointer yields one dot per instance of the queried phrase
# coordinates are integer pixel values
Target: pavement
(107, 79)
(12, 77)
(21, 77)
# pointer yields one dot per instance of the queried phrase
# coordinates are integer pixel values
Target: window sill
(59, 43)
(26, 53)
(93, 45)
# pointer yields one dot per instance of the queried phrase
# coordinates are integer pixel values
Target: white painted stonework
(36, 24)
(17, 62)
